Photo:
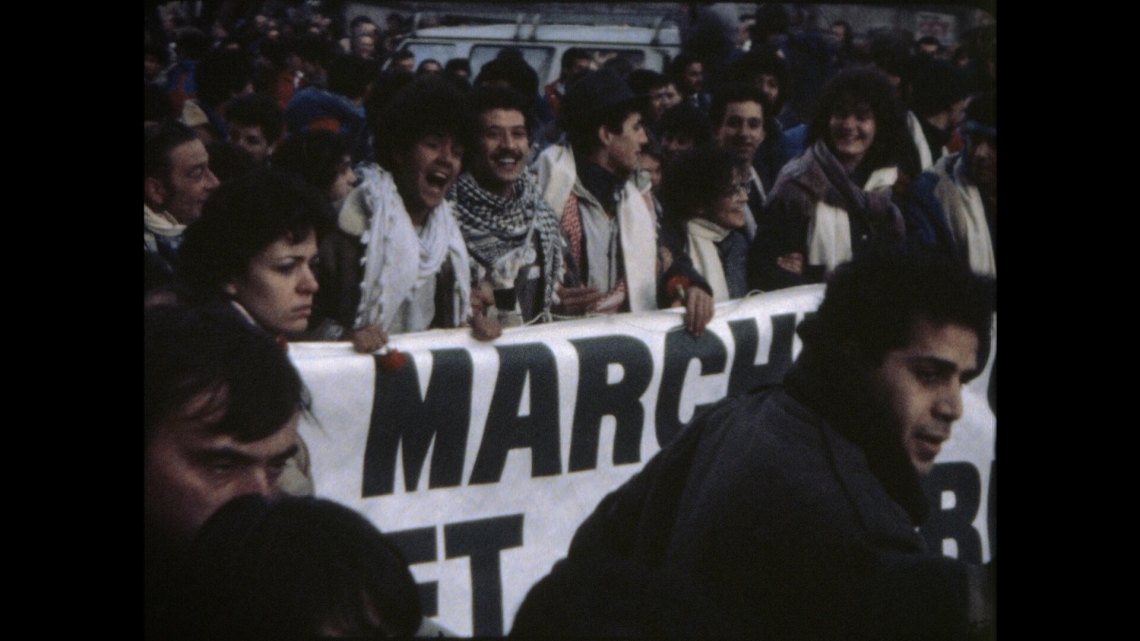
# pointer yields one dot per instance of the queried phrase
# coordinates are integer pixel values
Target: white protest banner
(481, 459)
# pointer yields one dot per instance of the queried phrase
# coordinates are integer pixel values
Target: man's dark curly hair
(428, 106)
(873, 302)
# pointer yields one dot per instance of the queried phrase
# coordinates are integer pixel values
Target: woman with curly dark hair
(835, 198)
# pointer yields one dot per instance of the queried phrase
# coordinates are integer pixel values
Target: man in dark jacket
(790, 512)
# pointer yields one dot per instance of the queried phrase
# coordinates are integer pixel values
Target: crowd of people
(304, 181)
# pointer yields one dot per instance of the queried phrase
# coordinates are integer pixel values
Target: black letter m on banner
(399, 416)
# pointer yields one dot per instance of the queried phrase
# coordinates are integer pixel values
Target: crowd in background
(305, 178)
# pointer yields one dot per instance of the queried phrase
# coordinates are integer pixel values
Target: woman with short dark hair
(256, 247)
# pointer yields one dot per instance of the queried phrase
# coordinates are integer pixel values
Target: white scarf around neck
(966, 214)
(398, 260)
(703, 236)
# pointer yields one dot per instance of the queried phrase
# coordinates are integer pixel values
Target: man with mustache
(512, 235)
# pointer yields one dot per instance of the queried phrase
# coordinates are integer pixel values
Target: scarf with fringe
(398, 261)
(494, 226)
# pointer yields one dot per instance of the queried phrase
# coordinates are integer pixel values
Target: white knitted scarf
(703, 236)
(398, 261)
(159, 224)
(965, 213)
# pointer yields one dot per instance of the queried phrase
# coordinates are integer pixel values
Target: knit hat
(595, 92)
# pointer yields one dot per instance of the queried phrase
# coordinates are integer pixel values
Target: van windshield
(539, 58)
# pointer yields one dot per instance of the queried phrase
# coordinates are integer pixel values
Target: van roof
(571, 33)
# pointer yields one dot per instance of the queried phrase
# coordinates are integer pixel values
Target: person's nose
(308, 283)
(948, 405)
(212, 181)
(449, 155)
(259, 481)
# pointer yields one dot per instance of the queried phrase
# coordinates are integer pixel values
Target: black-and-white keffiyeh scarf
(493, 226)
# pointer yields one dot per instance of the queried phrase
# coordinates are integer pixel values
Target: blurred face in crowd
(188, 473)
(579, 68)
(838, 33)
(345, 180)
(407, 64)
(252, 139)
(852, 133)
(662, 98)
(674, 144)
(365, 46)
(425, 172)
(651, 166)
(728, 210)
(277, 289)
(742, 129)
(957, 113)
(981, 153)
(189, 184)
(768, 84)
(503, 147)
(622, 149)
(429, 68)
(152, 66)
(920, 387)
(694, 77)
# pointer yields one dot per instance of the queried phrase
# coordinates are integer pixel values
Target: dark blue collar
(600, 182)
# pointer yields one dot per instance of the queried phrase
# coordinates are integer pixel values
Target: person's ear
(154, 190)
(605, 135)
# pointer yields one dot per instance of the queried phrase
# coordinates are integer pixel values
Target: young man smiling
(512, 235)
(610, 228)
(417, 271)
(738, 120)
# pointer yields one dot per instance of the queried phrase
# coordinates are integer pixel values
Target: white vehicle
(542, 45)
